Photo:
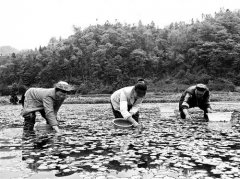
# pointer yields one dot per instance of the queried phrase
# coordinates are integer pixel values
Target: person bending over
(195, 96)
(126, 101)
(47, 101)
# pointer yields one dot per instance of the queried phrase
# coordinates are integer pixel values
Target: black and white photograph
(119, 89)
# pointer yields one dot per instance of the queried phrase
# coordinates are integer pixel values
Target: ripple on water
(91, 146)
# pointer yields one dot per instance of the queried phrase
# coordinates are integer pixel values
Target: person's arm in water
(136, 106)
(50, 114)
(185, 106)
(124, 109)
(135, 123)
(56, 128)
(185, 111)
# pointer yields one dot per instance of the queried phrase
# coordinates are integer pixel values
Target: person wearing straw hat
(47, 101)
(126, 101)
(195, 96)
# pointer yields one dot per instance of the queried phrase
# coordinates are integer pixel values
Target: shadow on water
(186, 148)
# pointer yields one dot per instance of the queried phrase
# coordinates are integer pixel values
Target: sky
(28, 24)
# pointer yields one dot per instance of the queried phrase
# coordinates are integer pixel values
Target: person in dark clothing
(14, 98)
(195, 96)
(14, 91)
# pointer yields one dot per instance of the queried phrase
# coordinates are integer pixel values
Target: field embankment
(161, 97)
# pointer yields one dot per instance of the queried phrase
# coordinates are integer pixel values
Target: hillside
(104, 58)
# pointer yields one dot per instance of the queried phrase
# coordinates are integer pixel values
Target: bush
(168, 81)
(221, 85)
(83, 89)
(107, 90)
(162, 86)
(180, 74)
(236, 80)
(204, 78)
(188, 79)
(5, 91)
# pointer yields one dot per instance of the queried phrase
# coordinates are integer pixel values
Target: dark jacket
(190, 100)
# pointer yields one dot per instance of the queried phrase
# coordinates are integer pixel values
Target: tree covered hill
(102, 58)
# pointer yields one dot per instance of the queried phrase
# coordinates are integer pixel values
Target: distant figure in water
(126, 101)
(45, 101)
(195, 96)
(14, 92)
(14, 98)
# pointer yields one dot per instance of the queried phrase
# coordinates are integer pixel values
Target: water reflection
(192, 147)
(166, 147)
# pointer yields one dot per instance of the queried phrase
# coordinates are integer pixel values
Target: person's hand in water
(57, 130)
(139, 128)
(209, 110)
(188, 117)
(134, 123)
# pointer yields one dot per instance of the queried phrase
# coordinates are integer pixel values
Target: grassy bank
(160, 97)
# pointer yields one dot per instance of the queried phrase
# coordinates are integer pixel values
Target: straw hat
(201, 87)
(63, 86)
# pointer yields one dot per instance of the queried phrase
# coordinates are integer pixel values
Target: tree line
(102, 58)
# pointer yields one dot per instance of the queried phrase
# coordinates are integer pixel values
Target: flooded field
(91, 147)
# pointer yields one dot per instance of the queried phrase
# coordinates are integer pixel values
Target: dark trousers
(117, 114)
(30, 119)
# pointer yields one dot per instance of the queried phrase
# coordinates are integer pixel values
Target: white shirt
(123, 97)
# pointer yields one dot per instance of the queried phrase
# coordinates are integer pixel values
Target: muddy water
(92, 148)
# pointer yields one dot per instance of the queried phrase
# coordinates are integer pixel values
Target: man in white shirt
(126, 102)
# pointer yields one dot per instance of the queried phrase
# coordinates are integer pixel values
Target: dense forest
(102, 58)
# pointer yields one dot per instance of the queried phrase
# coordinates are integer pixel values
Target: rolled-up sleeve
(136, 106)
(124, 106)
(49, 110)
(185, 104)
